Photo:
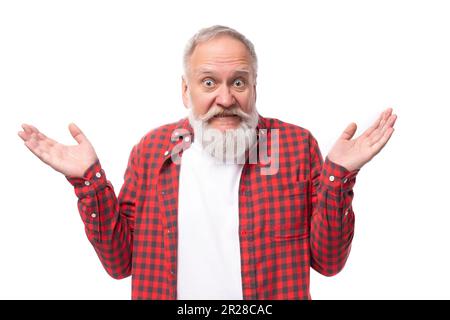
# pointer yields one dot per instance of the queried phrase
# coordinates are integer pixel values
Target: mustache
(219, 111)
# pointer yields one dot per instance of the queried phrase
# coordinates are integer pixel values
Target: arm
(332, 221)
(109, 222)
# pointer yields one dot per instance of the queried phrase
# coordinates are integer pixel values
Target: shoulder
(158, 138)
(163, 133)
(287, 130)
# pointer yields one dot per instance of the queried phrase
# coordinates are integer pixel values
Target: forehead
(221, 53)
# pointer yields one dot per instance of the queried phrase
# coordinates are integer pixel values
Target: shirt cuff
(337, 177)
(93, 180)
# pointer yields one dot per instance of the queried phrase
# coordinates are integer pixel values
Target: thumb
(76, 133)
(349, 131)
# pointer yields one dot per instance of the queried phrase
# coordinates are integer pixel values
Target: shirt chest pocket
(288, 209)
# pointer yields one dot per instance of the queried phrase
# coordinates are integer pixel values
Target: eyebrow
(202, 71)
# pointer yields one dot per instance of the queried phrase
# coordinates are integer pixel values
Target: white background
(114, 68)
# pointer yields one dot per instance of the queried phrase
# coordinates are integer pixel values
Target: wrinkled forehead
(222, 54)
(222, 70)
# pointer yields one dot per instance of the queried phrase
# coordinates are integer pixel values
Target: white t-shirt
(209, 260)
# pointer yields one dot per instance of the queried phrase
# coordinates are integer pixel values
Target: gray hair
(209, 33)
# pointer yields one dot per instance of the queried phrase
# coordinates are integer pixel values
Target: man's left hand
(353, 154)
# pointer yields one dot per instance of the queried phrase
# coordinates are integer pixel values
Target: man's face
(220, 79)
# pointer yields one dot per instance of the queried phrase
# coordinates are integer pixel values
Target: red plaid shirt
(299, 218)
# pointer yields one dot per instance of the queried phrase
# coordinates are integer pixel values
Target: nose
(225, 98)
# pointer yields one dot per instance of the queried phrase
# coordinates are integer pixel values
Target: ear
(185, 92)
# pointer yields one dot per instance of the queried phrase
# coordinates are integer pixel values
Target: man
(200, 214)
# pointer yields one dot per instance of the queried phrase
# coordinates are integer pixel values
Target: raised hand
(71, 161)
(353, 154)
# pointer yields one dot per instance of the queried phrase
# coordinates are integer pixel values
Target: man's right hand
(72, 161)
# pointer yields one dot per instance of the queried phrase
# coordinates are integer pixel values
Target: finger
(33, 141)
(34, 148)
(24, 135)
(349, 132)
(48, 141)
(386, 115)
(27, 128)
(76, 133)
(381, 135)
(374, 126)
(378, 123)
(378, 134)
(384, 139)
(38, 143)
(391, 121)
(389, 112)
(41, 148)
(34, 129)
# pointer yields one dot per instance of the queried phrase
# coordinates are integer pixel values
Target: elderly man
(204, 212)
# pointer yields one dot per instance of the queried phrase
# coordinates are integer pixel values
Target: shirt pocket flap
(289, 210)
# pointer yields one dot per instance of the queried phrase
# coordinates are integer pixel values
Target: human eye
(208, 82)
(239, 83)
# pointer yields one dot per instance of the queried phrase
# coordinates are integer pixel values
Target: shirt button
(346, 212)
(166, 153)
(345, 180)
(87, 183)
(187, 139)
(168, 231)
(98, 175)
(331, 178)
(94, 215)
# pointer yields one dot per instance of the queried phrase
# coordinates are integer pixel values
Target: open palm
(70, 160)
(353, 154)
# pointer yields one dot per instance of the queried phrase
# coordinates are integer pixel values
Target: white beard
(228, 146)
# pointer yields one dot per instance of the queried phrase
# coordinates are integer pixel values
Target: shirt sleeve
(108, 220)
(333, 219)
